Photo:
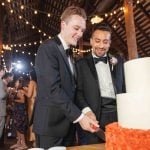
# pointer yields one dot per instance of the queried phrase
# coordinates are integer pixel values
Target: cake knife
(100, 133)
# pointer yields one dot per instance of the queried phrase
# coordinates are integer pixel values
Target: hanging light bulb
(35, 12)
(48, 14)
(96, 19)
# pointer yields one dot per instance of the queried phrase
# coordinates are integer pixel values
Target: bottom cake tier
(118, 138)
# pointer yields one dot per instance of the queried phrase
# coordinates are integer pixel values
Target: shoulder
(32, 83)
(49, 45)
(83, 60)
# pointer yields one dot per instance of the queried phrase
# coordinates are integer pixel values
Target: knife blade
(100, 133)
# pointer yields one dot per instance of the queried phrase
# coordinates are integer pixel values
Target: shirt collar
(63, 42)
(97, 56)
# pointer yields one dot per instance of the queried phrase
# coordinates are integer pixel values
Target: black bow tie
(103, 59)
(68, 52)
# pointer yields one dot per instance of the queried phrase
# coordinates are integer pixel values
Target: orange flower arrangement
(118, 138)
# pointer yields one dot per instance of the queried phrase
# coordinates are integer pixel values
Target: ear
(63, 24)
(110, 41)
(91, 41)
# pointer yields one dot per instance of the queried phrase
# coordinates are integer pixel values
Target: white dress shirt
(105, 81)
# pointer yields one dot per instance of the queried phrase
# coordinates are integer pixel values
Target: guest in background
(31, 94)
(55, 111)
(3, 94)
(20, 115)
(6, 79)
(99, 79)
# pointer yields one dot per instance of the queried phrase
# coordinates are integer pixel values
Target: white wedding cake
(132, 131)
(134, 106)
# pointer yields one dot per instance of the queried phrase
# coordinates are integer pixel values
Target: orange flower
(118, 138)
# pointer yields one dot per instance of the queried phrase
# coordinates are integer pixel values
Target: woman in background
(20, 115)
(31, 94)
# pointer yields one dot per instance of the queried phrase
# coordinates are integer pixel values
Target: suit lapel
(62, 51)
(91, 65)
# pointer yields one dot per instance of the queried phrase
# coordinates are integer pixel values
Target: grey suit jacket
(2, 99)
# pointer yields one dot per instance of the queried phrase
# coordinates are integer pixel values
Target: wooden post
(130, 29)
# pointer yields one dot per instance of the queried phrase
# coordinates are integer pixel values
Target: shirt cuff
(79, 118)
(86, 109)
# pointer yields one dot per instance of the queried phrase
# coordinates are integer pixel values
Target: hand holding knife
(99, 132)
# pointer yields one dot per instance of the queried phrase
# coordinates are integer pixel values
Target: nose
(80, 33)
(101, 45)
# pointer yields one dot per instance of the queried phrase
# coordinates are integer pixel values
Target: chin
(74, 43)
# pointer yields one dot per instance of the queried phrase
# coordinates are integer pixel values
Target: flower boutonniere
(113, 60)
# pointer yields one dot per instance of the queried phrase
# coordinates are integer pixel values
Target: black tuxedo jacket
(88, 90)
(54, 108)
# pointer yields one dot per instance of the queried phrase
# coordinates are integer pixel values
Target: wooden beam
(130, 29)
(144, 11)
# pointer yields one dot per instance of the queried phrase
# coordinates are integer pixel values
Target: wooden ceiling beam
(144, 11)
(142, 31)
(130, 29)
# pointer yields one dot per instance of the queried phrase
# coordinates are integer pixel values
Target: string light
(27, 22)
(11, 11)
(106, 15)
(20, 17)
(35, 12)
(22, 7)
(115, 26)
(48, 14)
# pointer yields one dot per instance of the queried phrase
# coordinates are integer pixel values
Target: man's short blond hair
(73, 10)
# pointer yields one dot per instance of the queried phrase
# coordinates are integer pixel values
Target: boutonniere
(113, 61)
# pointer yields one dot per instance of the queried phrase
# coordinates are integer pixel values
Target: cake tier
(118, 138)
(134, 110)
(137, 75)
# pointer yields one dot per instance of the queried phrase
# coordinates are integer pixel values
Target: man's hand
(91, 115)
(87, 124)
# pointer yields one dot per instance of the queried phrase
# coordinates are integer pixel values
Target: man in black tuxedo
(99, 79)
(55, 111)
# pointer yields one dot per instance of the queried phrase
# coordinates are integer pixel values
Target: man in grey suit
(5, 78)
(99, 79)
(2, 101)
(55, 111)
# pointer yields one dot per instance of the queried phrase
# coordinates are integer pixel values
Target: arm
(29, 90)
(3, 92)
(80, 98)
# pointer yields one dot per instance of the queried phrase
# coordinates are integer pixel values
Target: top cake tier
(137, 75)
